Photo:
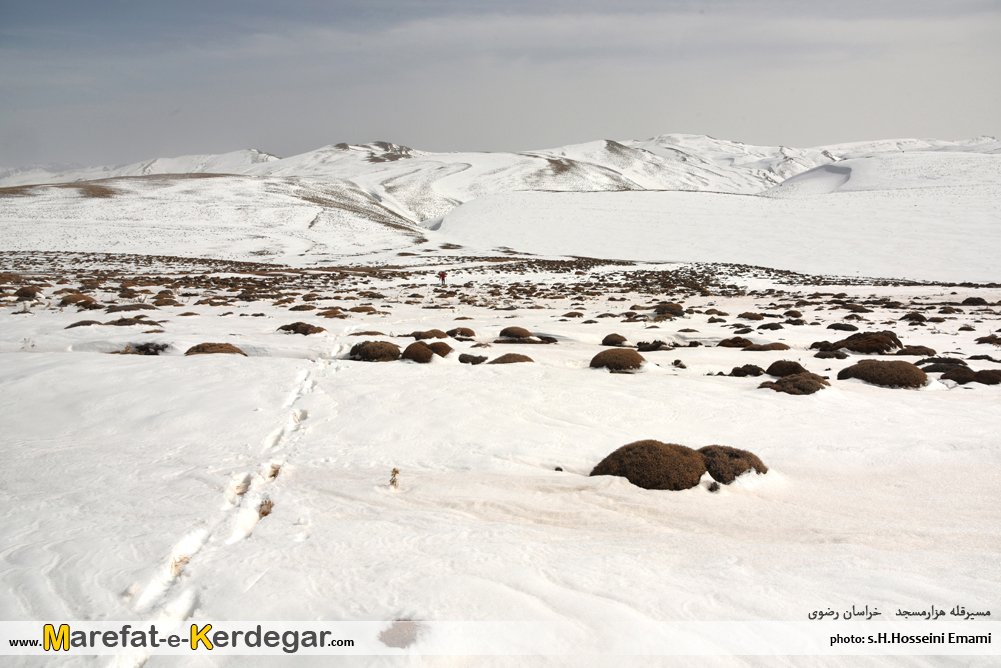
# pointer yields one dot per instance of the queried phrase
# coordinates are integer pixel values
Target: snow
(979, 174)
(916, 216)
(133, 486)
(235, 162)
(231, 217)
(481, 527)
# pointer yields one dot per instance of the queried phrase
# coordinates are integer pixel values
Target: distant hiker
(441, 275)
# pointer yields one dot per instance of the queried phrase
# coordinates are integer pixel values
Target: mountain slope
(235, 162)
(219, 216)
(925, 216)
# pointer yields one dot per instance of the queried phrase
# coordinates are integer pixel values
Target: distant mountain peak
(379, 151)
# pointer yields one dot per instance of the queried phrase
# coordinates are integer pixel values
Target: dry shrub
(366, 334)
(766, 347)
(988, 376)
(869, 343)
(149, 348)
(118, 308)
(511, 358)
(785, 368)
(669, 308)
(515, 333)
(831, 354)
(375, 351)
(751, 316)
(79, 300)
(618, 359)
(916, 351)
(654, 465)
(650, 347)
(964, 375)
(941, 367)
(472, 359)
(613, 340)
(725, 463)
(747, 370)
(843, 326)
(735, 342)
(992, 339)
(27, 293)
(333, 313)
(419, 352)
(461, 331)
(797, 383)
(303, 328)
(84, 323)
(953, 361)
(958, 374)
(90, 190)
(213, 348)
(974, 301)
(303, 307)
(886, 374)
(129, 322)
(430, 334)
(440, 348)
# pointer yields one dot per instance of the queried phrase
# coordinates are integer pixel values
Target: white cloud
(517, 81)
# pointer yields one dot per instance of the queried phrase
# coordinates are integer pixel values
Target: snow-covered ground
(927, 216)
(132, 485)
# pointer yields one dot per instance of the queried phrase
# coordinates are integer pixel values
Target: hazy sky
(106, 82)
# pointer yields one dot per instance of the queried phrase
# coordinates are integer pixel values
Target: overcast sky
(111, 82)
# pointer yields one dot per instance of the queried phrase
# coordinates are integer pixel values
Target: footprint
(165, 576)
(271, 440)
(248, 518)
(270, 471)
(180, 608)
(295, 394)
(304, 529)
(238, 486)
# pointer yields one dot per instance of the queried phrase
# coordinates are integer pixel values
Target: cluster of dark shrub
(655, 465)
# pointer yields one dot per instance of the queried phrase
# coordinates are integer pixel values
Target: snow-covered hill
(235, 162)
(232, 217)
(934, 216)
(922, 209)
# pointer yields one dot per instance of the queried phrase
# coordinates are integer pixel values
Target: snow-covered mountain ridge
(420, 185)
(670, 198)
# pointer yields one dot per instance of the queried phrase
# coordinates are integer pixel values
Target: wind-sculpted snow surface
(297, 483)
(202, 216)
(236, 162)
(319, 477)
(972, 175)
(919, 216)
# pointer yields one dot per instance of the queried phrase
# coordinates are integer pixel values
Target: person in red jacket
(441, 275)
